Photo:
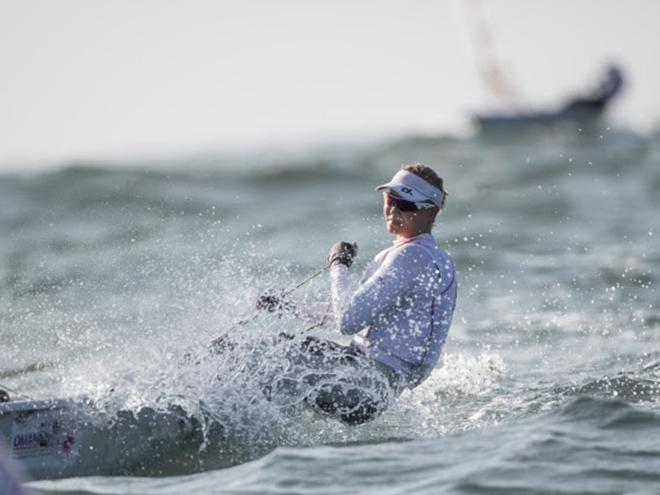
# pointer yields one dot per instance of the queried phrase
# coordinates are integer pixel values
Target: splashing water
(114, 280)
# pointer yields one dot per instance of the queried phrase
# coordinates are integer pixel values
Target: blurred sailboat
(580, 110)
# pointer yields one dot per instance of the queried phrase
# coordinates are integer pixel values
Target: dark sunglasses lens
(401, 204)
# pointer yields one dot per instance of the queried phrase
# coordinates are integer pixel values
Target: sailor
(599, 97)
(399, 315)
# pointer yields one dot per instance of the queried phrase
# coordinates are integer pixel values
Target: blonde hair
(429, 175)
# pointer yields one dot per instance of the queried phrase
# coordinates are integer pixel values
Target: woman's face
(406, 223)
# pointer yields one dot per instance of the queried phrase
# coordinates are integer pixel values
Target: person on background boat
(400, 314)
(595, 102)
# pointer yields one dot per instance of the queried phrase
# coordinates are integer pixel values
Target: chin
(393, 229)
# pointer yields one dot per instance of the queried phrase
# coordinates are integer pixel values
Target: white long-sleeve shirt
(402, 310)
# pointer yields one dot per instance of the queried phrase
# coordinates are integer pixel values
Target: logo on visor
(407, 190)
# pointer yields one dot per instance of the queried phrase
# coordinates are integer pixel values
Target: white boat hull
(64, 438)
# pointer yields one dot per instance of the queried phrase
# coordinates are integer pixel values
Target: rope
(320, 323)
(241, 323)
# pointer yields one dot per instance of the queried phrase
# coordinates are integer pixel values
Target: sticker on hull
(41, 434)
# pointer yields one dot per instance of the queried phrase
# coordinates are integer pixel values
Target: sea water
(115, 276)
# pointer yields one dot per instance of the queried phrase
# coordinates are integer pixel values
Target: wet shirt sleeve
(378, 295)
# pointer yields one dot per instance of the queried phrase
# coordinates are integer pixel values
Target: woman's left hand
(343, 252)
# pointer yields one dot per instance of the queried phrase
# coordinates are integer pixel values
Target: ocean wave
(625, 386)
(614, 413)
(604, 444)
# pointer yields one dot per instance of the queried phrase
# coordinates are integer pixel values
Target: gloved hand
(272, 301)
(269, 301)
(343, 253)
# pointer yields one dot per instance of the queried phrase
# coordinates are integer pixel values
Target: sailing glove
(343, 252)
(272, 301)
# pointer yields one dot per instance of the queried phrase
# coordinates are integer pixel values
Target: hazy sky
(85, 78)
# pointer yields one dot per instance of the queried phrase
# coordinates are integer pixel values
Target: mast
(491, 70)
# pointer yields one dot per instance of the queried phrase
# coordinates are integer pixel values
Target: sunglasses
(400, 204)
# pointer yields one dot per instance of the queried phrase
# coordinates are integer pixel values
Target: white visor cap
(413, 188)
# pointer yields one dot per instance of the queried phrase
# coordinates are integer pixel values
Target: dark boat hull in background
(585, 110)
(517, 121)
